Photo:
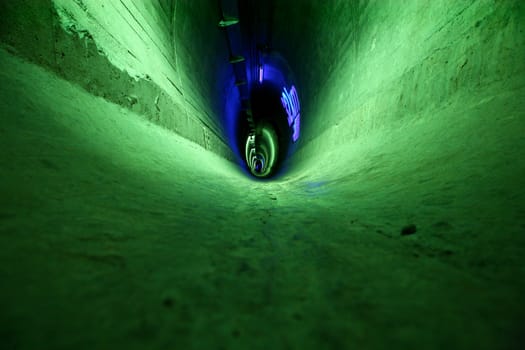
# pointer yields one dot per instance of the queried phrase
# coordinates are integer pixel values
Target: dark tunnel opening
(271, 122)
(267, 119)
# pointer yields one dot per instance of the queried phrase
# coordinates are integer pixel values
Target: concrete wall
(371, 64)
(147, 56)
(399, 227)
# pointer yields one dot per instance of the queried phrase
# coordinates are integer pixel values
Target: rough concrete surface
(399, 223)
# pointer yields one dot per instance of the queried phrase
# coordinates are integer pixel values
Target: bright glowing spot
(261, 150)
(261, 73)
(290, 102)
(296, 126)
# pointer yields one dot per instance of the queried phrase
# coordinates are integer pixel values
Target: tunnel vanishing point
(159, 191)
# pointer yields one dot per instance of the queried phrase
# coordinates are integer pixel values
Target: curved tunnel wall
(400, 216)
(368, 65)
(144, 56)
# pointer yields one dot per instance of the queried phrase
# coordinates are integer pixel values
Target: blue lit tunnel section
(263, 127)
(290, 102)
(261, 107)
(275, 114)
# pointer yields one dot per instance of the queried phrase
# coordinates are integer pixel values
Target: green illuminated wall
(133, 53)
(367, 65)
(397, 224)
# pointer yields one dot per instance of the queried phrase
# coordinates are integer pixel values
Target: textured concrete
(398, 224)
(133, 54)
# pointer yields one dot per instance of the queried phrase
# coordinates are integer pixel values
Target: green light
(261, 150)
(400, 214)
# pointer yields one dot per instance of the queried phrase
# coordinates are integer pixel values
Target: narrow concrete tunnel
(127, 219)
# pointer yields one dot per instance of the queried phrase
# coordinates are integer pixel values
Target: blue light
(296, 126)
(261, 74)
(290, 102)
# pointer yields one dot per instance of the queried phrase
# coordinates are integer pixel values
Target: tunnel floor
(116, 232)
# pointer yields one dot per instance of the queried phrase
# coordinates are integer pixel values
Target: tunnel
(129, 217)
